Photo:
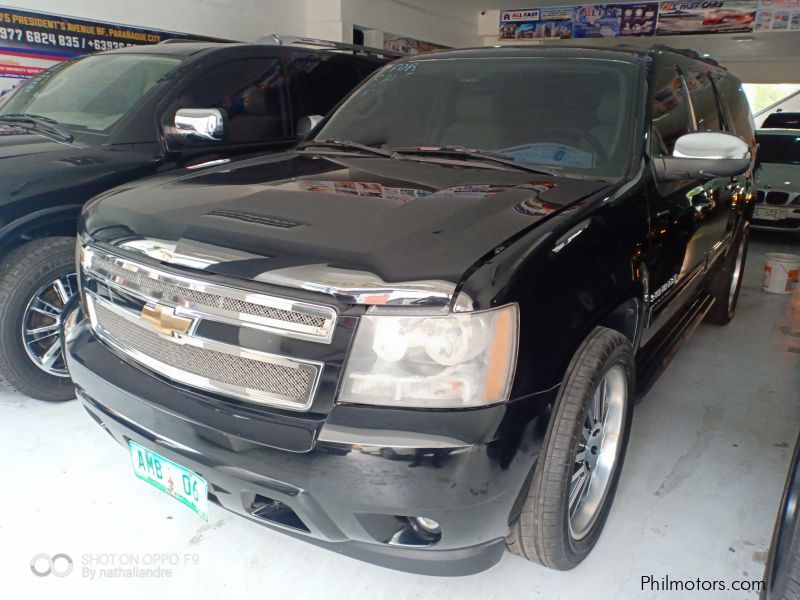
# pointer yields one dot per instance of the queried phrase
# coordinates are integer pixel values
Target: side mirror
(306, 124)
(704, 155)
(200, 124)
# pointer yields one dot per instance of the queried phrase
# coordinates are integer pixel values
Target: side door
(679, 211)
(717, 218)
(253, 93)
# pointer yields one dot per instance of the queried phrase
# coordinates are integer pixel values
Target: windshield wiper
(344, 145)
(468, 153)
(39, 122)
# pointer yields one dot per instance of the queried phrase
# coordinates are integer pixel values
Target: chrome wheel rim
(737, 273)
(597, 452)
(41, 324)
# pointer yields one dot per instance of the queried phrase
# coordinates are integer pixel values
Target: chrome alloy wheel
(41, 324)
(597, 451)
(737, 272)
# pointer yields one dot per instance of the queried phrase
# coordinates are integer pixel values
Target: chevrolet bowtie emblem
(165, 320)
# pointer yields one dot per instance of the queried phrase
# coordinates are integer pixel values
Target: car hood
(296, 214)
(21, 141)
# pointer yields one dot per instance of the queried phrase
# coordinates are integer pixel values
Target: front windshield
(568, 113)
(92, 92)
(779, 149)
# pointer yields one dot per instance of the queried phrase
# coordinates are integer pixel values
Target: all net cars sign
(580, 21)
(692, 17)
(549, 22)
(30, 42)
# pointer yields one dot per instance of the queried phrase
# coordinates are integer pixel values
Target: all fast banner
(695, 17)
(30, 42)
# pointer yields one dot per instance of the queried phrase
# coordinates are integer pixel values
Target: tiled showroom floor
(702, 480)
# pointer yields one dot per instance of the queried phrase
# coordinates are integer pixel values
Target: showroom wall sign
(775, 15)
(586, 21)
(30, 42)
(407, 45)
(722, 16)
(693, 17)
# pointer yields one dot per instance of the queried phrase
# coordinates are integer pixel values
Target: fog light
(427, 525)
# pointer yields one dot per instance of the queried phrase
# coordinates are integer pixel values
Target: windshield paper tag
(549, 154)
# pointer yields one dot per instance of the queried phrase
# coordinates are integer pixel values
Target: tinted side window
(322, 80)
(704, 100)
(670, 110)
(253, 93)
(738, 109)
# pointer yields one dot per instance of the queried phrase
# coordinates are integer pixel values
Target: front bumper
(351, 497)
(784, 218)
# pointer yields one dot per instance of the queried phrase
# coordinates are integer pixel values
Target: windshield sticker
(550, 154)
(395, 71)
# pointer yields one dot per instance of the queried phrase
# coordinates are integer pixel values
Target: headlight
(457, 360)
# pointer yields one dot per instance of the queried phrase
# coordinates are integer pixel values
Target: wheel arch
(49, 222)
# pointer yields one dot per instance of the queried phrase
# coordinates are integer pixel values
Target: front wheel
(727, 281)
(37, 279)
(576, 476)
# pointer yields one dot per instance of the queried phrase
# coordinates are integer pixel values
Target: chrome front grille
(155, 319)
(227, 372)
(291, 319)
(777, 198)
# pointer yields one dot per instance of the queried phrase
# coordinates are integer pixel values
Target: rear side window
(735, 102)
(253, 93)
(777, 148)
(704, 99)
(321, 81)
(670, 110)
(782, 120)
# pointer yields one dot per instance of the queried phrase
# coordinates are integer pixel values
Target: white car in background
(778, 180)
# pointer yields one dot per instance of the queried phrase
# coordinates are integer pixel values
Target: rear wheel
(727, 281)
(782, 575)
(36, 281)
(576, 476)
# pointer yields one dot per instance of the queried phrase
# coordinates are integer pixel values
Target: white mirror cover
(711, 145)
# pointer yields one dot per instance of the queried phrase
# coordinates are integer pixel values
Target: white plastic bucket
(781, 272)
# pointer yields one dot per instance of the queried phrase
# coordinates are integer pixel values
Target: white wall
(245, 20)
(445, 22)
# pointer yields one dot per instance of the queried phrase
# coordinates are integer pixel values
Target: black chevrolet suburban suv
(105, 119)
(417, 338)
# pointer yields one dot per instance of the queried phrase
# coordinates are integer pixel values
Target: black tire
(543, 533)
(23, 272)
(782, 574)
(727, 281)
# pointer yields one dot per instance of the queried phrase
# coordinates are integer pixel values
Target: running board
(659, 359)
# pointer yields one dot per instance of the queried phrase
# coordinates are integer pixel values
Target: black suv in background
(417, 337)
(105, 119)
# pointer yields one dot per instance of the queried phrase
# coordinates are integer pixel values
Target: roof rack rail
(179, 41)
(293, 40)
(688, 52)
